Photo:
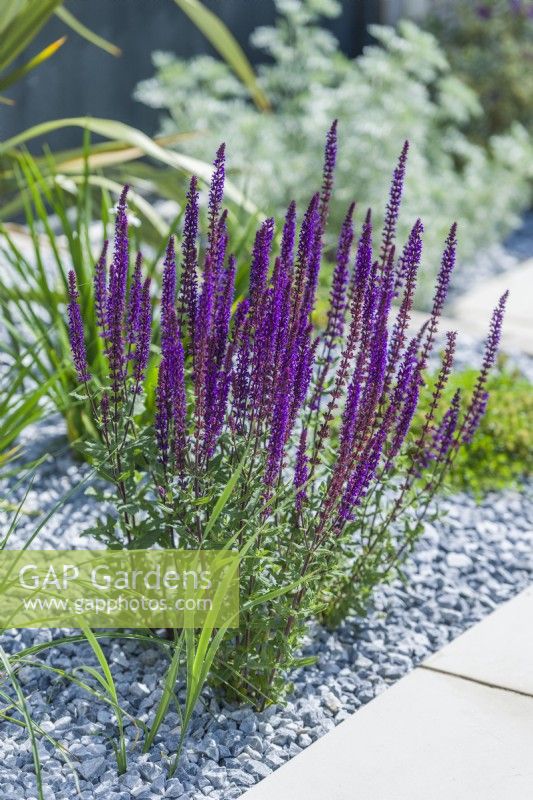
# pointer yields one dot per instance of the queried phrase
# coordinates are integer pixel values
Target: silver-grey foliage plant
(402, 88)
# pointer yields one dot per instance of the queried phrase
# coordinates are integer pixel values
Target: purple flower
(179, 401)
(443, 282)
(216, 193)
(116, 298)
(493, 339)
(100, 290)
(393, 206)
(75, 330)
(330, 158)
(280, 427)
(162, 413)
(404, 401)
(410, 262)
(306, 245)
(260, 260)
(134, 302)
(188, 297)
(475, 414)
(420, 447)
(479, 399)
(288, 238)
(203, 335)
(241, 374)
(337, 305)
(143, 337)
(361, 477)
(171, 411)
(444, 433)
(168, 295)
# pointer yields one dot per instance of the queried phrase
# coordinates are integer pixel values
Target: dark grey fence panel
(81, 79)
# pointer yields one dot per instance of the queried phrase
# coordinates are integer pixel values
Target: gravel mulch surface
(474, 558)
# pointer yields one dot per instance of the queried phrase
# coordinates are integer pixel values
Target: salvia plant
(288, 444)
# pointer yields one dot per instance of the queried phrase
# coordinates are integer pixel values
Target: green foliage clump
(501, 453)
(402, 88)
(490, 47)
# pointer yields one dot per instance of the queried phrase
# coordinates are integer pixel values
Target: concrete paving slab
(471, 312)
(429, 737)
(497, 651)
(473, 308)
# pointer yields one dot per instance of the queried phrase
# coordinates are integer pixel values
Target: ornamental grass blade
(30, 725)
(86, 33)
(23, 27)
(223, 40)
(168, 694)
(107, 682)
(111, 129)
(224, 497)
(46, 53)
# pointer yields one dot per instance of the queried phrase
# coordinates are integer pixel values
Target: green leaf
(168, 693)
(85, 32)
(111, 129)
(23, 28)
(223, 40)
(16, 74)
(224, 497)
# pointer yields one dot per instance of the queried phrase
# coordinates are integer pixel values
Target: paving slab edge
(423, 667)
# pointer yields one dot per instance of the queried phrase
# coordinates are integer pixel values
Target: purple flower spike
(170, 423)
(278, 436)
(260, 260)
(443, 282)
(362, 475)
(143, 337)
(288, 237)
(116, 297)
(404, 400)
(216, 194)
(495, 332)
(222, 322)
(479, 399)
(307, 248)
(330, 158)
(475, 415)
(134, 302)
(179, 403)
(168, 294)
(443, 435)
(410, 263)
(162, 413)
(337, 308)
(100, 290)
(75, 330)
(393, 206)
(188, 297)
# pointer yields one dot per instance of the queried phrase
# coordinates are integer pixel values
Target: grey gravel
(469, 561)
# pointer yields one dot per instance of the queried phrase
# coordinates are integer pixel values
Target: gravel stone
(92, 768)
(459, 560)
